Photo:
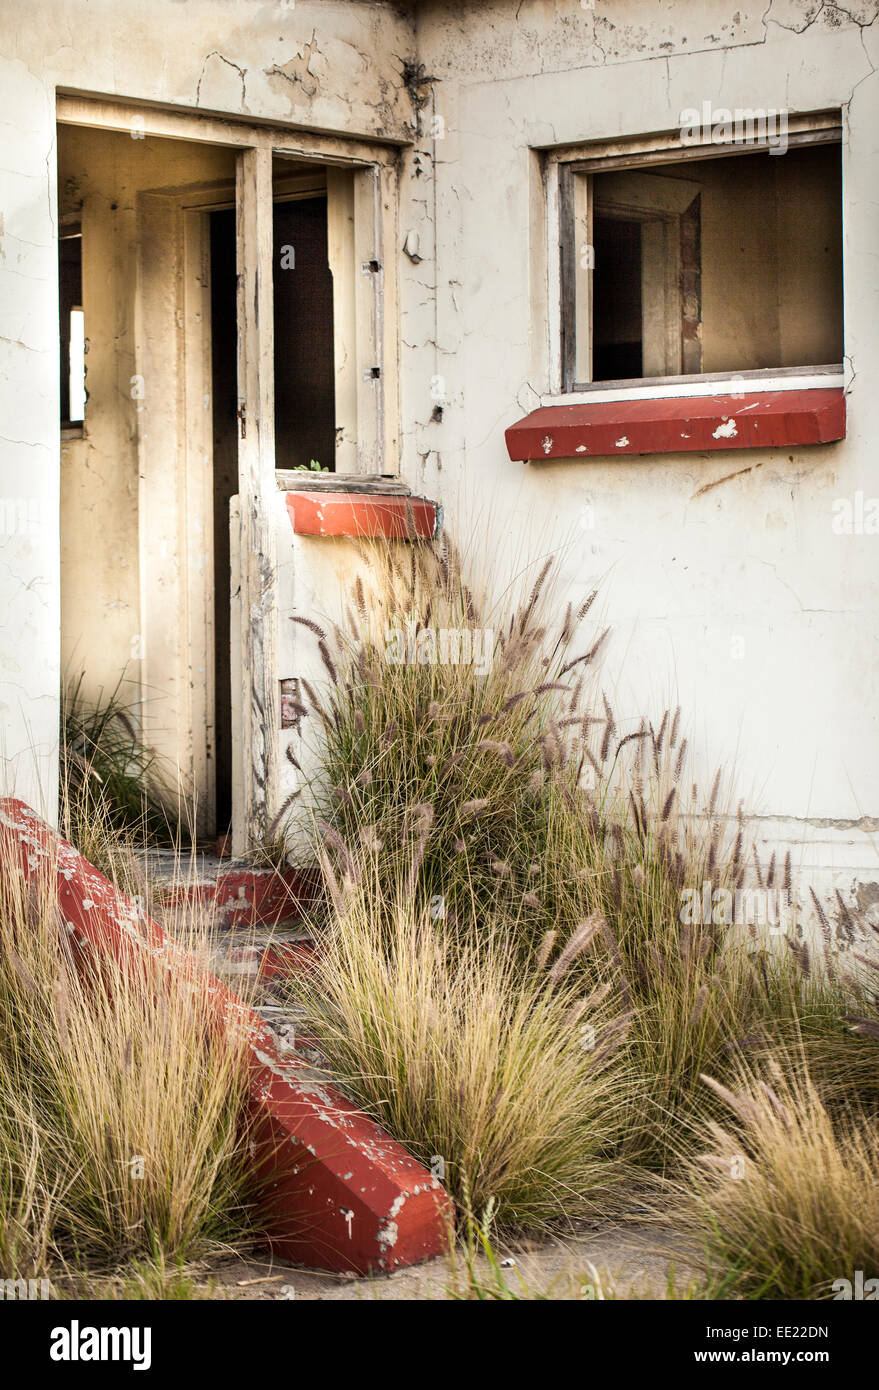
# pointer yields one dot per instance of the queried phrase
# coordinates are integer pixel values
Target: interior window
(715, 265)
(72, 327)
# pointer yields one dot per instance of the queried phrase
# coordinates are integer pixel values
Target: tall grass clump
(112, 788)
(512, 1088)
(786, 1201)
(122, 1106)
(474, 739)
(534, 811)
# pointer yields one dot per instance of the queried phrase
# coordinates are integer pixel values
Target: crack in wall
(814, 14)
(242, 73)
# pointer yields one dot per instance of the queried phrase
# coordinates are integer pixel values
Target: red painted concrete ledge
(362, 514)
(341, 1195)
(680, 424)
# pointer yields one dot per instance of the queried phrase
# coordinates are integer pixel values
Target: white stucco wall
(315, 580)
(29, 441)
(686, 562)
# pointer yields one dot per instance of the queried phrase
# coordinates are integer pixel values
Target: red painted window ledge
(362, 514)
(680, 424)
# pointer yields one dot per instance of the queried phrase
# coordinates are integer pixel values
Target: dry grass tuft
(511, 1089)
(787, 1199)
(113, 790)
(122, 1105)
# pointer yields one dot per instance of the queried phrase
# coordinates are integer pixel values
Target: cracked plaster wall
(690, 552)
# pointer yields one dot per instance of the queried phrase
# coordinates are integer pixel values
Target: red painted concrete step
(680, 424)
(342, 1195)
(269, 960)
(243, 896)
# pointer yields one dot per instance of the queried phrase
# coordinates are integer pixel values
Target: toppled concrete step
(339, 1193)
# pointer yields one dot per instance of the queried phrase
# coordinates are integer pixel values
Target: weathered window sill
(679, 424)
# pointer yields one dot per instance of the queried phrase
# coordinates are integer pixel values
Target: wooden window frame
(569, 202)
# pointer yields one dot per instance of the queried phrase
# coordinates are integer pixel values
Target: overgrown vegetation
(112, 788)
(787, 1199)
(505, 977)
(122, 1132)
(480, 827)
(488, 1073)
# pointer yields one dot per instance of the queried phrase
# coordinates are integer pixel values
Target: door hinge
(242, 416)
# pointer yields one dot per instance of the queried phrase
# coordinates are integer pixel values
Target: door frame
(183, 214)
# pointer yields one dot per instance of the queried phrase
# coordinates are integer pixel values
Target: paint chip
(725, 431)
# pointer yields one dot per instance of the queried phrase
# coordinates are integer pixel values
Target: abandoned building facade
(591, 278)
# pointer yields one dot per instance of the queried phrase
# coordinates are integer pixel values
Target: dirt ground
(629, 1262)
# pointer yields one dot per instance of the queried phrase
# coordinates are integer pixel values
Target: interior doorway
(305, 406)
(305, 393)
(135, 506)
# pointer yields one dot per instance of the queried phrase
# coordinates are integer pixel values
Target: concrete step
(242, 923)
(235, 894)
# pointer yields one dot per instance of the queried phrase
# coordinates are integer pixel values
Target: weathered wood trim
(583, 234)
(341, 253)
(368, 276)
(555, 298)
(567, 278)
(763, 378)
(166, 695)
(387, 314)
(198, 445)
(246, 132)
(291, 480)
(639, 151)
(257, 742)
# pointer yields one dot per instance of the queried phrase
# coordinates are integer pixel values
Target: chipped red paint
(287, 958)
(340, 1194)
(268, 961)
(361, 514)
(249, 897)
(680, 424)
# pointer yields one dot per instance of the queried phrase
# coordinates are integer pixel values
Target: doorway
(305, 405)
(305, 424)
(224, 398)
